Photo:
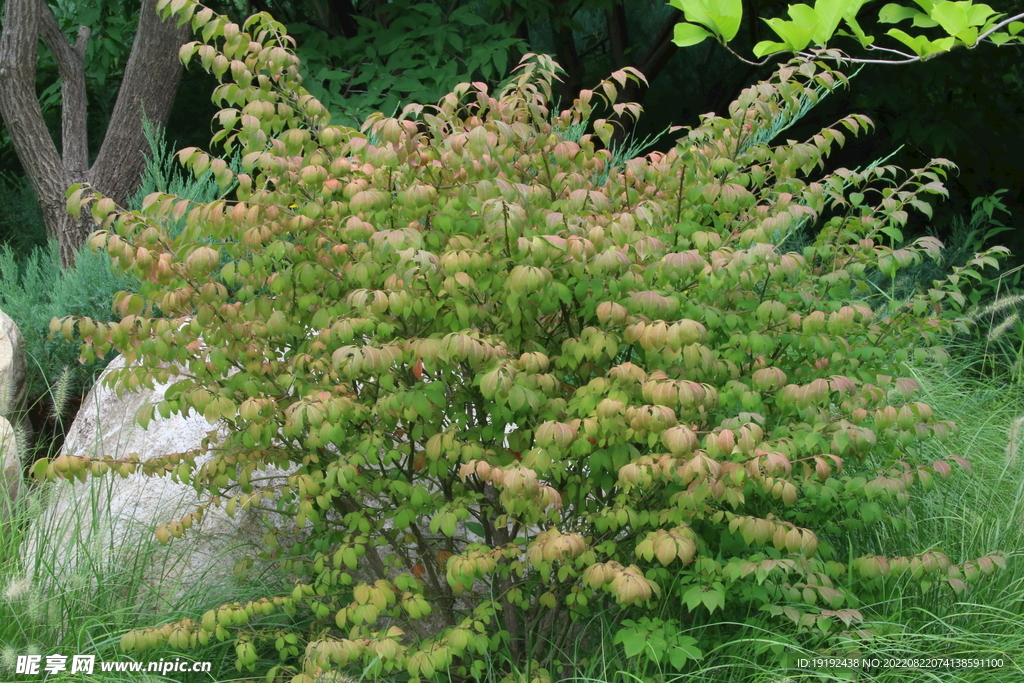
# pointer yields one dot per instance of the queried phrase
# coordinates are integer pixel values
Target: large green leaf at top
(805, 17)
(830, 13)
(818, 24)
(977, 15)
(961, 19)
(686, 35)
(952, 17)
(858, 32)
(796, 34)
(893, 14)
(722, 17)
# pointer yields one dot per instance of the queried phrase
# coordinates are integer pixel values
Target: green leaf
(977, 15)
(723, 17)
(689, 34)
(893, 14)
(968, 37)
(448, 522)
(500, 58)
(805, 17)
(767, 47)
(693, 597)
(830, 13)
(864, 39)
(951, 17)
(921, 46)
(682, 651)
(924, 21)
(796, 37)
(635, 644)
(714, 598)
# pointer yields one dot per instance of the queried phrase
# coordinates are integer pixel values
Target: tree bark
(661, 50)
(150, 83)
(618, 35)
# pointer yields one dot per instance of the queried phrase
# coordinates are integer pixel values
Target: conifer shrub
(511, 395)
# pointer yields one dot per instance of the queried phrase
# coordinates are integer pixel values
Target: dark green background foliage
(408, 52)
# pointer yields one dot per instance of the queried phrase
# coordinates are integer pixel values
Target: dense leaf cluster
(508, 394)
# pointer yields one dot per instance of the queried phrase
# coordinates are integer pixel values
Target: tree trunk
(618, 35)
(661, 50)
(150, 83)
(566, 53)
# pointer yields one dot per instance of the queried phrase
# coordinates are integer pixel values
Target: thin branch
(909, 59)
(1001, 24)
(889, 49)
(744, 59)
(853, 60)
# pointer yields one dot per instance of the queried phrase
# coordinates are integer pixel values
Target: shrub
(509, 395)
(21, 220)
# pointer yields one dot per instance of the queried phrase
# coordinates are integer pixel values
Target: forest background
(361, 56)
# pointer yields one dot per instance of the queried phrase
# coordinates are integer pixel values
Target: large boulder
(12, 366)
(11, 480)
(12, 403)
(109, 521)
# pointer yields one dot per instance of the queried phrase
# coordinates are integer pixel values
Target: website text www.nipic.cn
(87, 664)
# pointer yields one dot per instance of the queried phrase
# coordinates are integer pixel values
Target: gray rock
(12, 366)
(108, 521)
(11, 480)
(12, 400)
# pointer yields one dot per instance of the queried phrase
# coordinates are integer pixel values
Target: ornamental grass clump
(510, 396)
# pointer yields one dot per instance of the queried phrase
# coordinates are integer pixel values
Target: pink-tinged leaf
(830, 595)
(963, 462)
(821, 468)
(841, 384)
(942, 468)
(907, 387)
(848, 616)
